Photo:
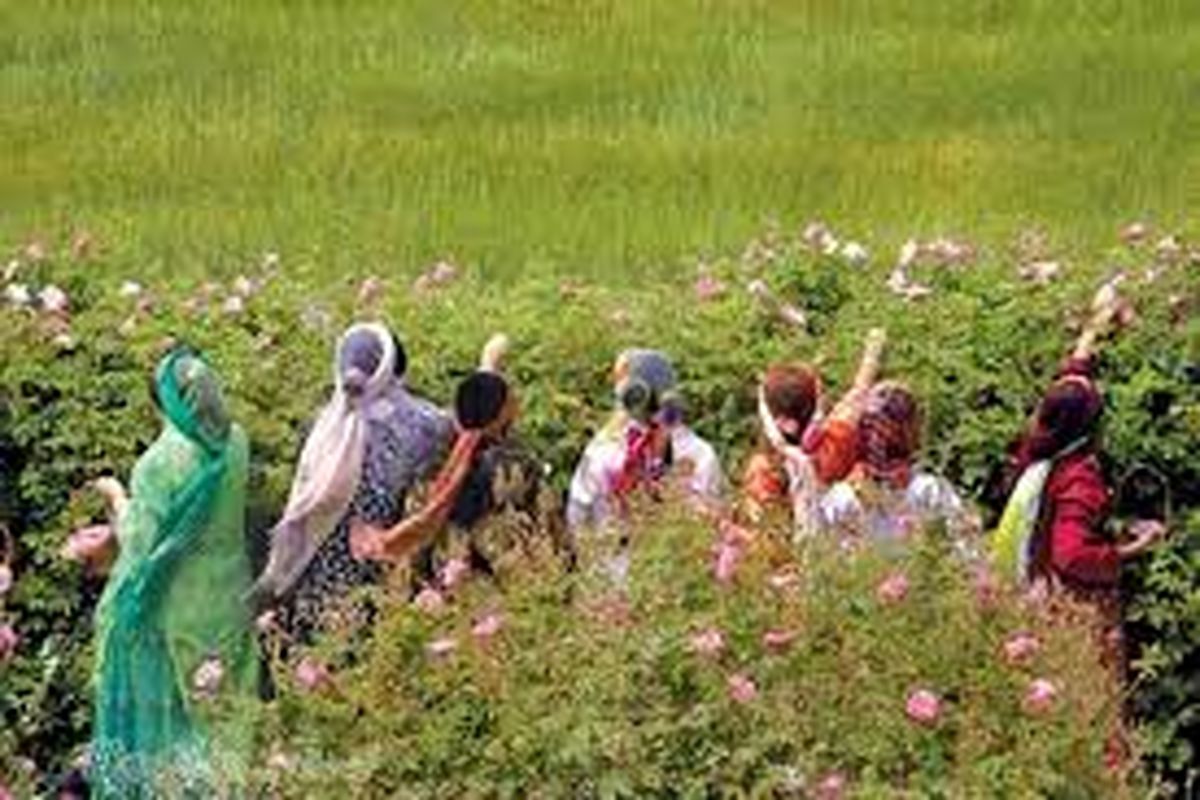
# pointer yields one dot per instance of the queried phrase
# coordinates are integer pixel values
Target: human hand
(491, 359)
(94, 546)
(366, 541)
(1144, 533)
(113, 493)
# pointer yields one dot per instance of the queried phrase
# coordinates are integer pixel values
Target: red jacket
(1076, 549)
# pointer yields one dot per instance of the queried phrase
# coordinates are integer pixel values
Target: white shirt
(589, 499)
(894, 515)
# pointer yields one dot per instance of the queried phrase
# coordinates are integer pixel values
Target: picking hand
(366, 541)
(1145, 534)
(113, 493)
(492, 357)
(94, 546)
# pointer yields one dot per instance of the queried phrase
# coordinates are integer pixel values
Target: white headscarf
(331, 463)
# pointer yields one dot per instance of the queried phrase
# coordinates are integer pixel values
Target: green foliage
(978, 351)
(593, 690)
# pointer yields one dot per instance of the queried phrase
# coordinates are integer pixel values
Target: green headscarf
(175, 597)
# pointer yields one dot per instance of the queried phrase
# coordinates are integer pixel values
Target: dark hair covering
(1069, 413)
(791, 392)
(480, 399)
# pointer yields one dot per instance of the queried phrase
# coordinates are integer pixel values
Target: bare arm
(1104, 307)
(850, 405)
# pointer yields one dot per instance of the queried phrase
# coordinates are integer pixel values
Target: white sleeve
(588, 487)
(839, 508)
(709, 480)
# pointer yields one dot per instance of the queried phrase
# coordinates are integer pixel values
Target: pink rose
(1040, 697)
(708, 288)
(831, 787)
(923, 707)
(454, 572)
(267, 622)
(783, 580)
(312, 675)
(6, 579)
(741, 688)
(429, 600)
(1020, 648)
(9, 639)
(369, 291)
(777, 641)
(709, 643)
(5, 793)
(443, 273)
(725, 562)
(893, 589)
(611, 610)
(206, 680)
(1134, 232)
(440, 648)
(487, 626)
(987, 590)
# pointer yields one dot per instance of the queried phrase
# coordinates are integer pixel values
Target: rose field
(735, 183)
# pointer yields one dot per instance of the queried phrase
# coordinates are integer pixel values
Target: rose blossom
(1040, 697)
(708, 288)
(442, 647)
(831, 787)
(987, 589)
(709, 642)
(1020, 648)
(893, 589)
(6, 579)
(429, 600)
(854, 254)
(454, 572)
(778, 641)
(206, 680)
(9, 639)
(54, 300)
(783, 580)
(487, 626)
(741, 688)
(725, 561)
(923, 707)
(312, 674)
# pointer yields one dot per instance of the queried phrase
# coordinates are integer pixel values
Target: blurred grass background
(603, 138)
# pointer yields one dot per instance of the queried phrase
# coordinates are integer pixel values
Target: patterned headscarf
(889, 433)
(648, 401)
(645, 384)
(369, 386)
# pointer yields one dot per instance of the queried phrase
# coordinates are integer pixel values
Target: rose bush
(977, 344)
(684, 696)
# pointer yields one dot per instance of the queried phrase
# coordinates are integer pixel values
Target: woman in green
(174, 641)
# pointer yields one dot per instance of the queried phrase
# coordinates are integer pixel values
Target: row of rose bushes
(976, 333)
(817, 673)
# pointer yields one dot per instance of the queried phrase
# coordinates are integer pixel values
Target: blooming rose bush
(83, 327)
(709, 687)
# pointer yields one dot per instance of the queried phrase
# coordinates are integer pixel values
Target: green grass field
(596, 138)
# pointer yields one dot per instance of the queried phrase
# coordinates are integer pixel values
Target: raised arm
(849, 406)
(1105, 306)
